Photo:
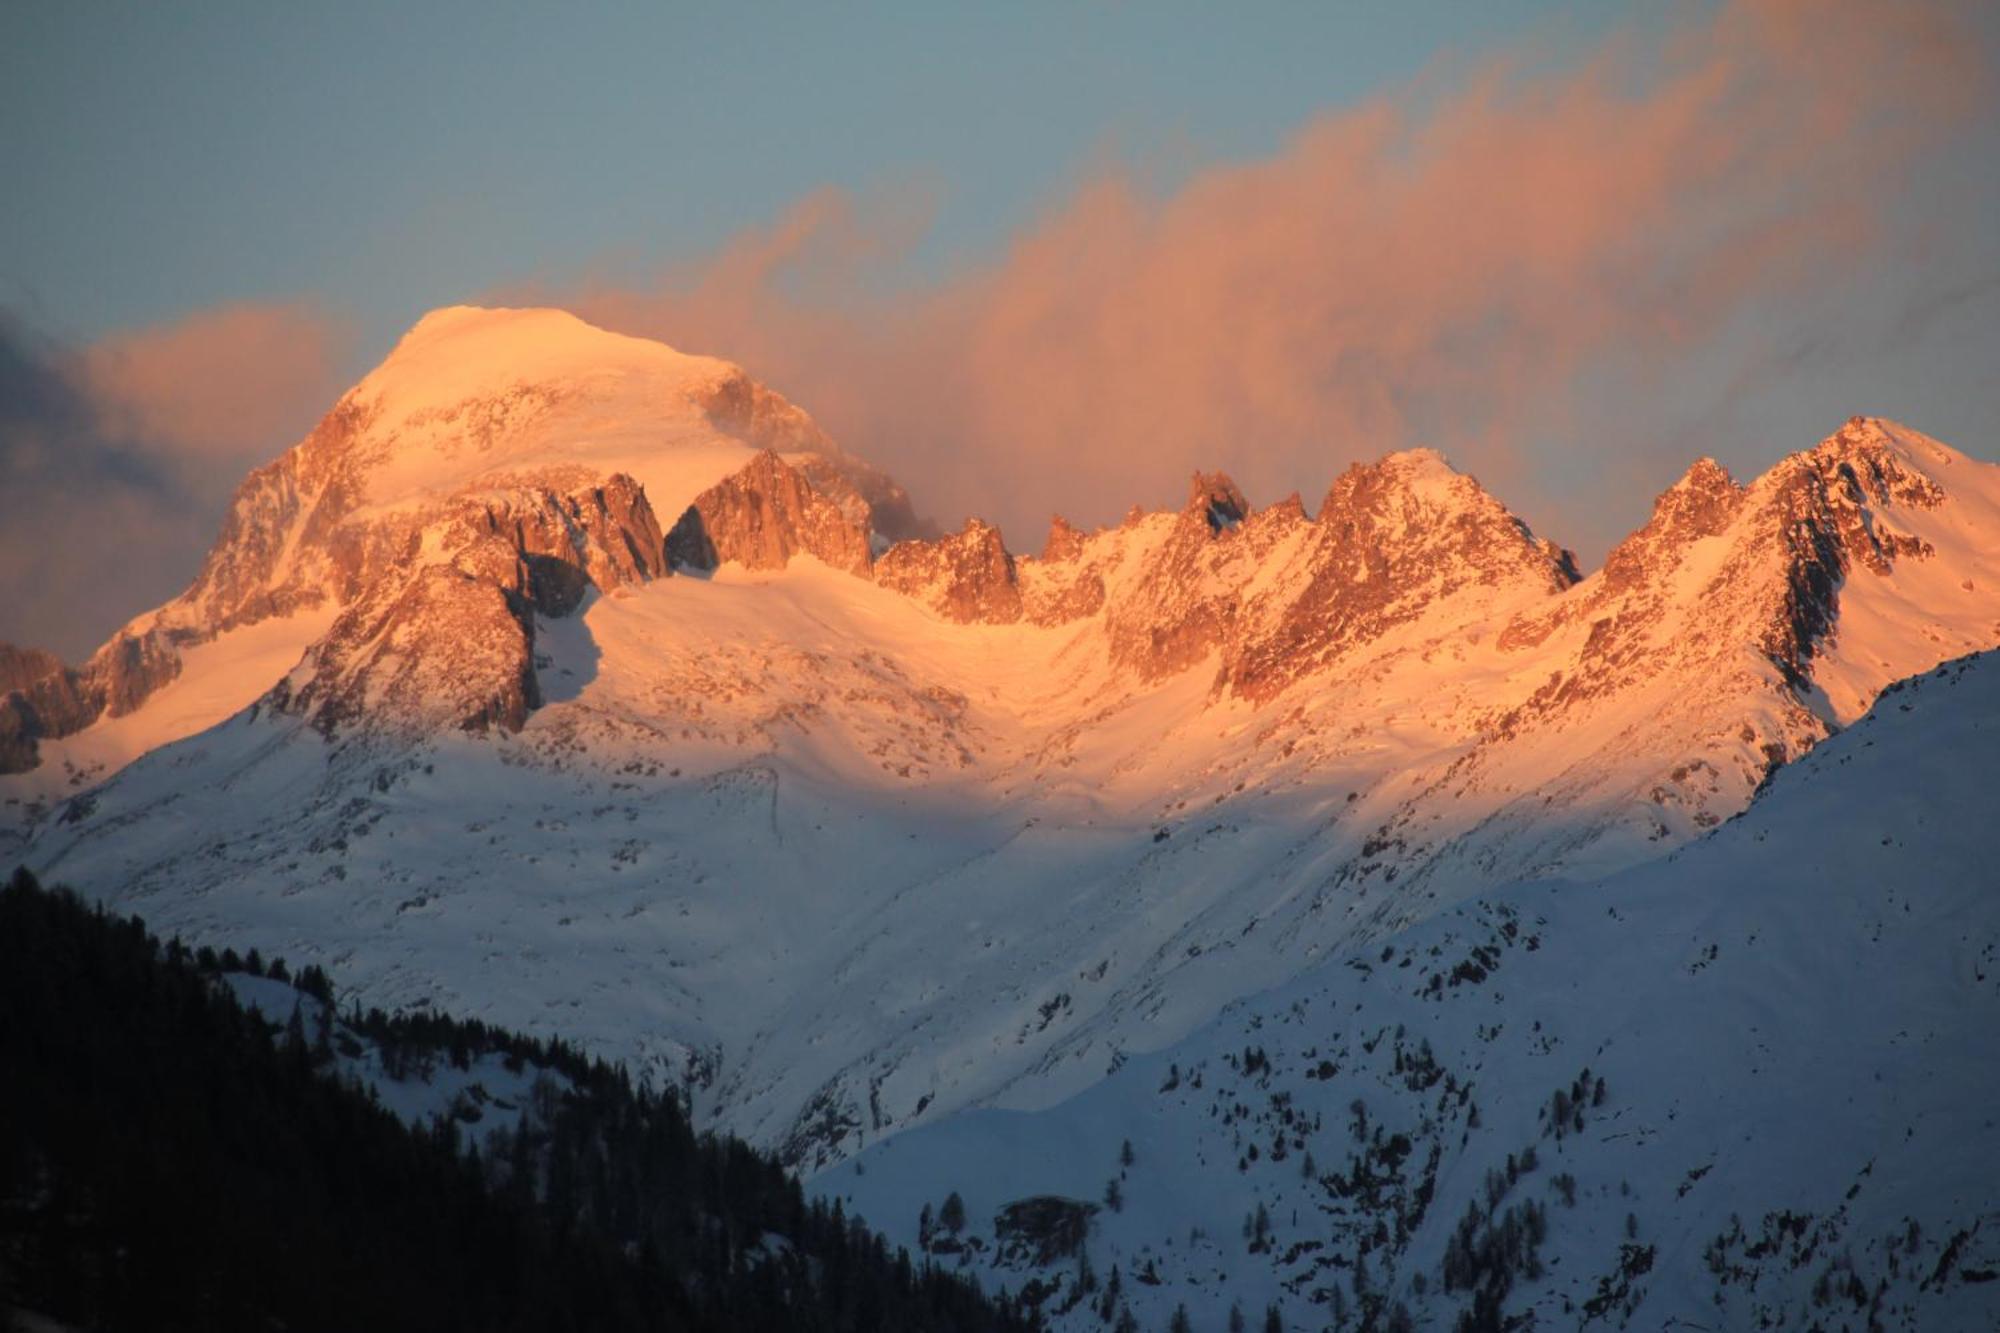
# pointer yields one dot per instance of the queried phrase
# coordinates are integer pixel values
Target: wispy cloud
(117, 460)
(1447, 264)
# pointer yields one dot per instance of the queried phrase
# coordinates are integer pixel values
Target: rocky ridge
(763, 515)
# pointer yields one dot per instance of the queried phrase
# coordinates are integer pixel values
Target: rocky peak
(1411, 516)
(1064, 583)
(763, 515)
(1703, 503)
(1177, 608)
(1065, 541)
(1783, 557)
(1392, 540)
(1873, 461)
(967, 576)
(1820, 515)
(1291, 509)
(1213, 498)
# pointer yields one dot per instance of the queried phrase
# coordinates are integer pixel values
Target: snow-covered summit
(470, 394)
(477, 419)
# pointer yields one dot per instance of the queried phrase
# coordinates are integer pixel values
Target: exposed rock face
(41, 699)
(1777, 553)
(1178, 607)
(1392, 539)
(1701, 504)
(450, 641)
(558, 546)
(1041, 1230)
(1062, 584)
(760, 417)
(278, 551)
(763, 516)
(967, 577)
(22, 667)
(28, 676)
(1222, 504)
(122, 673)
(1065, 542)
(1822, 519)
(444, 647)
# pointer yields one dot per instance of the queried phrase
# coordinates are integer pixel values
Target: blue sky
(390, 158)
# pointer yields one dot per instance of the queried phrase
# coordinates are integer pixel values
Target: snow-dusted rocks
(448, 639)
(1175, 606)
(967, 576)
(1063, 584)
(1394, 542)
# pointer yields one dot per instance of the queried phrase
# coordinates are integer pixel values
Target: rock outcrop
(762, 516)
(1177, 607)
(42, 699)
(1391, 540)
(966, 577)
(871, 498)
(449, 641)
(1062, 584)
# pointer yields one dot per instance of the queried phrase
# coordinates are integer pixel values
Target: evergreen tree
(952, 1215)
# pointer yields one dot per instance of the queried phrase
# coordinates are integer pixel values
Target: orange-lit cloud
(1443, 265)
(117, 461)
(227, 384)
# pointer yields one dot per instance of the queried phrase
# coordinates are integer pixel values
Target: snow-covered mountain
(1748, 1085)
(494, 465)
(579, 685)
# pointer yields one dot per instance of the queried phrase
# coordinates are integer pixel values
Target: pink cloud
(117, 461)
(234, 382)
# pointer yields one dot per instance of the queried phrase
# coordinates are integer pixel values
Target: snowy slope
(848, 850)
(1795, 1024)
(849, 866)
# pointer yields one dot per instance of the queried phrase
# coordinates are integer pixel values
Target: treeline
(166, 1162)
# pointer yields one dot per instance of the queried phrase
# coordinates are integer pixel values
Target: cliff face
(1392, 541)
(762, 516)
(449, 641)
(40, 698)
